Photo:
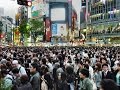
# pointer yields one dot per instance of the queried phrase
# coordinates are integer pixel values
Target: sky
(10, 7)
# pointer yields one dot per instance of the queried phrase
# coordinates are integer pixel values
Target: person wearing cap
(3, 61)
(21, 69)
(85, 83)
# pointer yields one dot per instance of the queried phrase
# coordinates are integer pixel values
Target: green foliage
(23, 27)
(36, 25)
(37, 28)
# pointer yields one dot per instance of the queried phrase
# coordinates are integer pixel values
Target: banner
(54, 29)
(61, 29)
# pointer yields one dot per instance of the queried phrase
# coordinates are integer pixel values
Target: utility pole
(70, 16)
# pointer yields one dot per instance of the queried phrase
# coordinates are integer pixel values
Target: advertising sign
(61, 29)
(37, 8)
(54, 29)
(58, 14)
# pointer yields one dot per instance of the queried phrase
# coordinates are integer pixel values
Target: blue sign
(54, 29)
(52, 41)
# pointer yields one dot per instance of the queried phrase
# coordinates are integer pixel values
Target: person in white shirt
(87, 61)
(22, 70)
(49, 63)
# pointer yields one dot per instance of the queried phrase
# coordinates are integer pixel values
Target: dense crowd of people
(60, 68)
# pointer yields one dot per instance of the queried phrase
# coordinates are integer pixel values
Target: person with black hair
(15, 72)
(89, 67)
(16, 64)
(106, 74)
(35, 78)
(43, 61)
(108, 84)
(77, 79)
(49, 64)
(46, 79)
(61, 82)
(70, 76)
(25, 84)
(117, 75)
(85, 82)
(16, 79)
(97, 75)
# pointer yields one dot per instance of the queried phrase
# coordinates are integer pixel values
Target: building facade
(104, 21)
(6, 29)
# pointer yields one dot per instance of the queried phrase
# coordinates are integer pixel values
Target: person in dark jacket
(47, 76)
(62, 83)
(108, 84)
(25, 84)
(117, 75)
(105, 73)
(70, 76)
(35, 78)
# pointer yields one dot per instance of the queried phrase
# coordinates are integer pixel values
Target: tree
(23, 29)
(37, 28)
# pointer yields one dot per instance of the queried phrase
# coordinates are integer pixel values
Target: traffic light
(1, 24)
(83, 2)
(25, 2)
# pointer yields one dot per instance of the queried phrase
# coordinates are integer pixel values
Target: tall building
(6, 33)
(104, 21)
(1, 11)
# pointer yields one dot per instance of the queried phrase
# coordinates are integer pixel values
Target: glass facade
(104, 19)
(104, 10)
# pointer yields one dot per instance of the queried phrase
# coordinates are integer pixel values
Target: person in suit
(106, 74)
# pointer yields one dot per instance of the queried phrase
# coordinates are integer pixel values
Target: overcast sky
(10, 7)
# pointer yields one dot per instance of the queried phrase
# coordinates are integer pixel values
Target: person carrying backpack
(46, 79)
(7, 80)
(16, 79)
(22, 70)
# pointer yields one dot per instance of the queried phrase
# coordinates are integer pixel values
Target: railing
(105, 34)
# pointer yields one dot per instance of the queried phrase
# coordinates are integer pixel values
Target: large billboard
(58, 14)
(59, 29)
(38, 8)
